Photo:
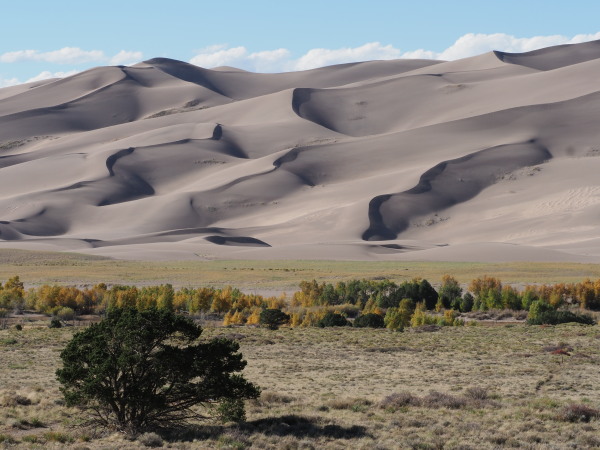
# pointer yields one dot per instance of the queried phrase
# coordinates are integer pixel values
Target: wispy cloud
(70, 55)
(281, 59)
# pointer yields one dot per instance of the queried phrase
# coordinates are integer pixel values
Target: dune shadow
(447, 184)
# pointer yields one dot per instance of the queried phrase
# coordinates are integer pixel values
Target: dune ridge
(489, 158)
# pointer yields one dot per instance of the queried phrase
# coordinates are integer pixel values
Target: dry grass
(461, 387)
(36, 268)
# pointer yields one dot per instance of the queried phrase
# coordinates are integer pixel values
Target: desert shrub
(578, 413)
(273, 318)
(137, 370)
(369, 320)
(55, 323)
(331, 319)
(437, 399)
(399, 400)
(150, 440)
(477, 393)
(553, 317)
(18, 327)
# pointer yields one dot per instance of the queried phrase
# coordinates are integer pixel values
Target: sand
(489, 158)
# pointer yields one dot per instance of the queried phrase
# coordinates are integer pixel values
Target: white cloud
(45, 75)
(475, 44)
(320, 57)
(6, 82)
(125, 58)
(70, 55)
(281, 59)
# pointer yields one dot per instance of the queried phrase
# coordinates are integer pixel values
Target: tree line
(409, 303)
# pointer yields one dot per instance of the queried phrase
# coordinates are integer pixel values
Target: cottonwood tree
(138, 370)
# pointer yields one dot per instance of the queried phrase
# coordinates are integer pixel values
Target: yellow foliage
(254, 317)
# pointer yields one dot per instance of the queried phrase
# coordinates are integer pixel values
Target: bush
(370, 320)
(333, 320)
(399, 400)
(578, 413)
(231, 410)
(18, 327)
(150, 440)
(555, 317)
(273, 318)
(55, 323)
(137, 370)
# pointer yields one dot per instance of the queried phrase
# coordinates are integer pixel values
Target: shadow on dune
(447, 184)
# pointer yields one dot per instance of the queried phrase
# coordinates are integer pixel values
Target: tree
(273, 318)
(369, 320)
(333, 320)
(450, 291)
(137, 370)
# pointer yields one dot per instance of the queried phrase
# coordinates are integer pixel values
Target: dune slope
(489, 158)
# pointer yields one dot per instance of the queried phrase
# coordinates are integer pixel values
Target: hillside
(489, 158)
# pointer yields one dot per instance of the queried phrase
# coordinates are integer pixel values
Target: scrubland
(508, 385)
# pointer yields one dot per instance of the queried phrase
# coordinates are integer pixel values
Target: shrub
(66, 313)
(18, 327)
(331, 319)
(399, 400)
(369, 320)
(231, 410)
(578, 413)
(55, 323)
(150, 440)
(136, 370)
(273, 318)
(555, 317)
(538, 307)
(441, 400)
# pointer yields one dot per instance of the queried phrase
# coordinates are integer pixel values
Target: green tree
(369, 320)
(273, 318)
(138, 370)
(450, 291)
(331, 319)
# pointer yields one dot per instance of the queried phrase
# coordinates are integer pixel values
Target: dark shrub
(370, 320)
(578, 413)
(55, 323)
(273, 318)
(333, 320)
(554, 317)
(398, 400)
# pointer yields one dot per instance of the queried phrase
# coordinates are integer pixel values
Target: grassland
(457, 388)
(36, 268)
(326, 388)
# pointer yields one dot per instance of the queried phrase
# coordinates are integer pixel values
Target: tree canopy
(137, 370)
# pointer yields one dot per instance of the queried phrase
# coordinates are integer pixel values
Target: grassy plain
(325, 388)
(460, 387)
(37, 268)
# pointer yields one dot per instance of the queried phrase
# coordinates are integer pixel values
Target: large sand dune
(491, 158)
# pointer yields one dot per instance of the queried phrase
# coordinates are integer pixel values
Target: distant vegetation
(358, 302)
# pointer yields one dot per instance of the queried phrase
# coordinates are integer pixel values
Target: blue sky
(41, 38)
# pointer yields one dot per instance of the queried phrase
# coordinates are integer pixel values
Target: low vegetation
(334, 369)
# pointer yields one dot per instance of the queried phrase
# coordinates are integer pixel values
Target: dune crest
(488, 158)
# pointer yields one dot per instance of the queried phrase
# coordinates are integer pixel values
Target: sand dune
(489, 158)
